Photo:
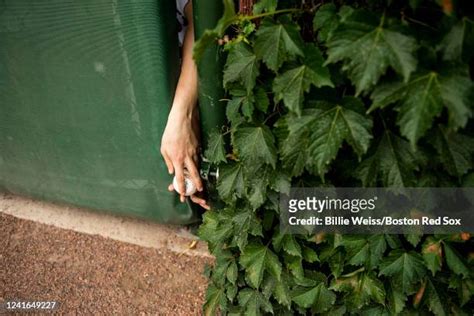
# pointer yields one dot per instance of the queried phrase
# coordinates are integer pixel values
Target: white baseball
(189, 184)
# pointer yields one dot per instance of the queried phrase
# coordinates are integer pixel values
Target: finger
(179, 173)
(197, 199)
(200, 201)
(171, 187)
(193, 172)
(168, 163)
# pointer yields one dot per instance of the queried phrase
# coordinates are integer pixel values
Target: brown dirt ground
(90, 274)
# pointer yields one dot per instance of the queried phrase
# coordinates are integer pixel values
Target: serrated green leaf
(280, 182)
(310, 255)
(405, 268)
(241, 66)
(393, 162)
(364, 251)
(431, 251)
(361, 289)
(216, 228)
(423, 98)
(455, 151)
(287, 242)
(232, 272)
(257, 194)
(396, 299)
(215, 151)
(255, 145)
(319, 298)
(458, 44)
(254, 302)
(294, 265)
(215, 298)
(231, 292)
(256, 259)
(261, 100)
(245, 223)
(325, 131)
(265, 6)
(231, 181)
(281, 291)
(454, 261)
(277, 42)
(241, 103)
(436, 300)
(291, 85)
(357, 249)
(413, 239)
(464, 287)
(367, 50)
(326, 21)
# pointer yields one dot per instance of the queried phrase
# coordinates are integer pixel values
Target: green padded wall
(85, 90)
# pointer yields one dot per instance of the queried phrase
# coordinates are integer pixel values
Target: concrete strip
(134, 231)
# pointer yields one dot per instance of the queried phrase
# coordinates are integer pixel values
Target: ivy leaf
(215, 151)
(324, 130)
(294, 265)
(253, 302)
(455, 261)
(264, 5)
(216, 228)
(318, 297)
(436, 300)
(241, 66)
(413, 238)
(245, 222)
(458, 44)
(291, 85)
(276, 43)
(406, 269)
(261, 100)
(396, 299)
(357, 249)
(455, 151)
(364, 251)
(232, 272)
(280, 182)
(423, 98)
(215, 297)
(367, 49)
(464, 287)
(432, 254)
(393, 162)
(231, 181)
(257, 194)
(255, 145)
(287, 242)
(310, 255)
(326, 21)
(241, 101)
(361, 289)
(256, 259)
(280, 289)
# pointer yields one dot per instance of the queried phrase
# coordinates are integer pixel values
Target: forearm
(185, 99)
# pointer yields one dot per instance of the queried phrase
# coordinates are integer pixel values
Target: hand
(179, 147)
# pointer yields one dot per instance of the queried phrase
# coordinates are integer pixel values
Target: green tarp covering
(85, 90)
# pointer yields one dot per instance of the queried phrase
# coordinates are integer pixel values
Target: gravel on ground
(90, 274)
